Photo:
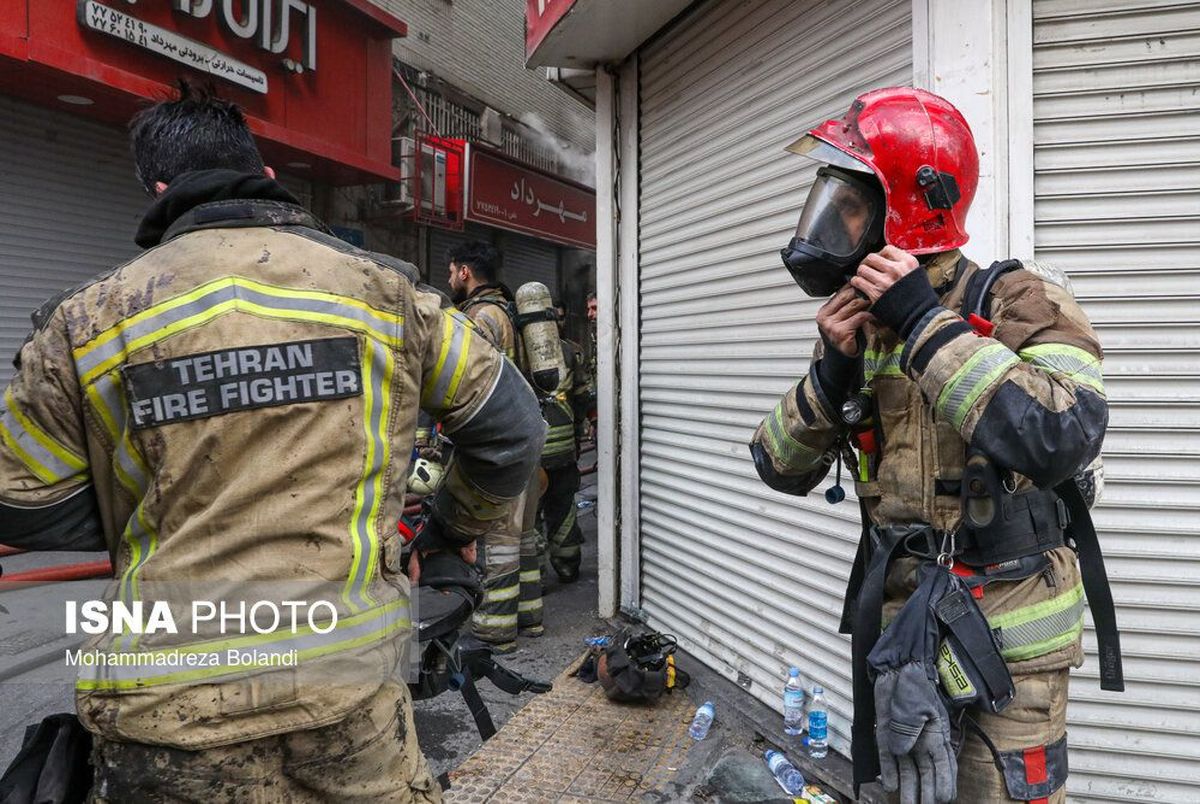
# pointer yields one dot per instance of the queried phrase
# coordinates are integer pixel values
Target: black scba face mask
(842, 223)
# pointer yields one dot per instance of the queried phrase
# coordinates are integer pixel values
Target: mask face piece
(841, 223)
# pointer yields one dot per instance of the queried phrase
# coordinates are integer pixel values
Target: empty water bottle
(702, 722)
(793, 703)
(818, 724)
(790, 779)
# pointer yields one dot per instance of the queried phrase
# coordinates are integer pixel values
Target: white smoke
(573, 162)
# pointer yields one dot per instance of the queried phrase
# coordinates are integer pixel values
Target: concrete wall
(479, 46)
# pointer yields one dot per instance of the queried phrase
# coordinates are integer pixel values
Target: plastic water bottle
(793, 703)
(702, 722)
(818, 725)
(790, 779)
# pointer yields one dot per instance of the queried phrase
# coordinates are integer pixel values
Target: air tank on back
(537, 320)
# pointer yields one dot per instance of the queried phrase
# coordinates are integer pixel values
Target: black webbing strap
(959, 612)
(545, 314)
(868, 619)
(479, 710)
(857, 569)
(976, 299)
(1095, 585)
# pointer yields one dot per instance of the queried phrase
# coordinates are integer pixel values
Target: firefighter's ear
(270, 171)
(160, 187)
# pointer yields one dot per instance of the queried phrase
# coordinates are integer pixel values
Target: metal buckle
(949, 548)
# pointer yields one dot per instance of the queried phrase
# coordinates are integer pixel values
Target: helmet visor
(841, 215)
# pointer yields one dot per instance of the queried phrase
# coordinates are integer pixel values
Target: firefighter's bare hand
(840, 318)
(881, 270)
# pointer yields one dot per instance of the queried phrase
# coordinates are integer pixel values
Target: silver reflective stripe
(228, 290)
(448, 365)
(1072, 361)
(380, 363)
(788, 450)
(978, 372)
(129, 465)
(43, 463)
(1016, 638)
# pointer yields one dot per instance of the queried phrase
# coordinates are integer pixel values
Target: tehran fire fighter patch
(214, 383)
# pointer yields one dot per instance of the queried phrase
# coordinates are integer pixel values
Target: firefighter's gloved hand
(913, 732)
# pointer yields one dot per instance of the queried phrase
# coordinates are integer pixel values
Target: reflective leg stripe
(968, 383)
(786, 449)
(526, 606)
(564, 529)
(1041, 628)
(378, 367)
(501, 594)
(497, 622)
(111, 348)
(498, 555)
(441, 386)
(45, 458)
(1079, 365)
(568, 551)
(125, 670)
(531, 576)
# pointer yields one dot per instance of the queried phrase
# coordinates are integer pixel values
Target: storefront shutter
(529, 260)
(749, 579)
(69, 207)
(1116, 99)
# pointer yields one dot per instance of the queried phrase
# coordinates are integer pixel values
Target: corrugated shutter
(1117, 204)
(69, 207)
(529, 260)
(441, 240)
(749, 579)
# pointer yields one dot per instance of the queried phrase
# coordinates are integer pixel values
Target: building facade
(331, 100)
(1087, 116)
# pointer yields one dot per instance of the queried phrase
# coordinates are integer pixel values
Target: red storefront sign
(510, 195)
(314, 76)
(540, 17)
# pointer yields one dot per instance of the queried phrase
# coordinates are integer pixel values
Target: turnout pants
(529, 609)
(495, 621)
(563, 535)
(370, 756)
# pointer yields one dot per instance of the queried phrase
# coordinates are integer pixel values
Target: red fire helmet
(920, 148)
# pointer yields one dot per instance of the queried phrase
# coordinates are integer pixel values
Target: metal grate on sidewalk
(574, 745)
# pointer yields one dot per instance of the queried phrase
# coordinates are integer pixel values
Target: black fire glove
(905, 303)
(835, 375)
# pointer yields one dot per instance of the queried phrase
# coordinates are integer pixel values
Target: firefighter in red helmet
(970, 403)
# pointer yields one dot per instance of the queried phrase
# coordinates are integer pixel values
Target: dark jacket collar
(207, 199)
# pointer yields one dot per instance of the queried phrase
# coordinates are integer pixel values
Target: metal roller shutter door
(441, 241)
(69, 207)
(1117, 203)
(749, 579)
(529, 260)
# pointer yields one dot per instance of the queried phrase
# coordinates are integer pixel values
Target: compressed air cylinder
(539, 331)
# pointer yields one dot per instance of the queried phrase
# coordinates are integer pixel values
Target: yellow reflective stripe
(350, 632)
(440, 365)
(377, 371)
(70, 461)
(385, 445)
(526, 606)
(531, 576)
(1078, 364)
(1040, 628)
(225, 295)
(971, 380)
(783, 446)
(882, 364)
(494, 620)
(502, 594)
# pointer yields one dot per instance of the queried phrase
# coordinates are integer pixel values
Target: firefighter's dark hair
(195, 131)
(482, 259)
